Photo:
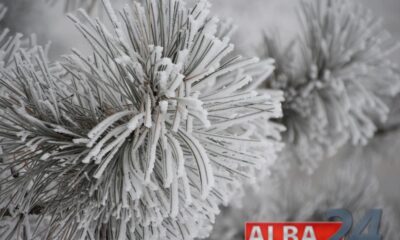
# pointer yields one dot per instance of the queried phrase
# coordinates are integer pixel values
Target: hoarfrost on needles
(335, 76)
(143, 138)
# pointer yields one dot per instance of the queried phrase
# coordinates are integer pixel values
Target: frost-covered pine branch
(10, 46)
(335, 76)
(143, 138)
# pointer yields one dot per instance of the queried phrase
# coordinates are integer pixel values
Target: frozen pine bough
(5, 47)
(335, 76)
(10, 44)
(145, 137)
(13, 47)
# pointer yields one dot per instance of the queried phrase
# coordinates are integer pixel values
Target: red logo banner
(291, 230)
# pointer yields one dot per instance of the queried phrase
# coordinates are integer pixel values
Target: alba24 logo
(338, 226)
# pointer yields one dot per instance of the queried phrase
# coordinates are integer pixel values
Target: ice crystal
(335, 75)
(143, 138)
